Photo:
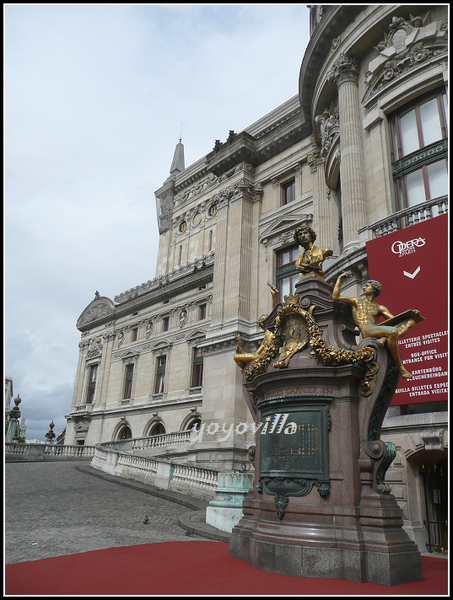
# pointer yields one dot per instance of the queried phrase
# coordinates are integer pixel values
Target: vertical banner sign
(412, 266)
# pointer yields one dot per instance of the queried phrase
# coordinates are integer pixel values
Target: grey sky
(94, 100)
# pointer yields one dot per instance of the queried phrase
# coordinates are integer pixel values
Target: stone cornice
(159, 289)
(241, 149)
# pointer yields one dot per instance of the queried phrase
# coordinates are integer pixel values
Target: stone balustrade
(406, 217)
(36, 452)
(164, 440)
(189, 475)
(163, 474)
(119, 458)
(160, 441)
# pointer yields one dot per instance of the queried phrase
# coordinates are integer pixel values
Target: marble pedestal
(319, 506)
(225, 510)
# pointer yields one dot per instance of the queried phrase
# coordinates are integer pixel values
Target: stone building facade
(159, 358)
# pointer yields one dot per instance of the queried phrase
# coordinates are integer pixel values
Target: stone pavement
(58, 508)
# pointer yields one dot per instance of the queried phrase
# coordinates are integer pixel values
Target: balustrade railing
(118, 458)
(42, 451)
(14, 449)
(162, 473)
(162, 440)
(70, 451)
(192, 475)
(408, 216)
(138, 464)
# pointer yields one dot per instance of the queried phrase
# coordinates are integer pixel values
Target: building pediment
(130, 355)
(81, 427)
(281, 229)
(161, 346)
(196, 336)
(100, 308)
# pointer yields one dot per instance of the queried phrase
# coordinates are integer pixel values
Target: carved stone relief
(100, 307)
(408, 45)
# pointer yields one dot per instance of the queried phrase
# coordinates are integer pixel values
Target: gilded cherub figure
(309, 261)
(241, 358)
(366, 311)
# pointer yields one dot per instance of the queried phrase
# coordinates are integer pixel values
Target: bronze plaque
(294, 450)
(296, 445)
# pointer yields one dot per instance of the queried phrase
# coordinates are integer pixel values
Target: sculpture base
(327, 562)
(319, 506)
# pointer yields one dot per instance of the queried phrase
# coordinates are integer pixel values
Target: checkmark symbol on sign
(412, 275)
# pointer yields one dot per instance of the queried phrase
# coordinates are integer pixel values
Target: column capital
(345, 69)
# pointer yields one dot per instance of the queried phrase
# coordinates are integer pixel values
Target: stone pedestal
(319, 506)
(225, 511)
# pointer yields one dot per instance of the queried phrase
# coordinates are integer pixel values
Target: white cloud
(94, 99)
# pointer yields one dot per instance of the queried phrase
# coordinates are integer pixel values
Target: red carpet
(190, 568)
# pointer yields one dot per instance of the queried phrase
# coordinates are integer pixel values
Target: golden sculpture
(241, 358)
(292, 329)
(309, 261)
(366, 312)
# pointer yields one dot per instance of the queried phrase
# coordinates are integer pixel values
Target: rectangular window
(420, 152)
(202, 312)
(166, 323)
(287, 275)
(160, 375)
(197, 368)
(91, 383)
(419, 126)
(288, 192)
(134, 335)
(430, 119)
(409, 133)
(128, 382)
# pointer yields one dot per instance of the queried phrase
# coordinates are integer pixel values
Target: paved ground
(54, 508)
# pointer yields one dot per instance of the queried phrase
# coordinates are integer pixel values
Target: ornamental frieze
(209, 182)
(196, 189)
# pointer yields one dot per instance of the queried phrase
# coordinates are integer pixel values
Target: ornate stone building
(364, 140)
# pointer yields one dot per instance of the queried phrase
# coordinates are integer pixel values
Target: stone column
(238, 274)
(231, 313)
(233, 255)
(78, 388)
(324, 222)
(345, 75)
(222, 200)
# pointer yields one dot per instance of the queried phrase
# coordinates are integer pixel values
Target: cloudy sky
(94, 99)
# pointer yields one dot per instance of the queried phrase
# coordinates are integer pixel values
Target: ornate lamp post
(50, 435)
(12, 435)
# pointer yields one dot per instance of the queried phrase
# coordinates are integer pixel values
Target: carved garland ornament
(292, 335)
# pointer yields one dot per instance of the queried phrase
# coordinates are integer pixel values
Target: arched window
(194, 423)
(125, 433)
(157, 429)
